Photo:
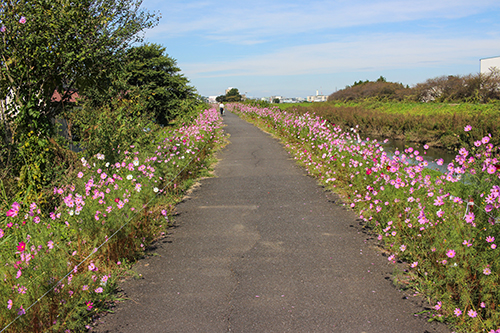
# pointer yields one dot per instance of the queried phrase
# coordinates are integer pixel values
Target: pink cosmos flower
(490, 239)
(99, 290)
(467, 128)
(21, 311)
(12, 212)
(467, 242)
(472, 313)
(3, 28)
(21, 247)
(469, 218)
(485, 140)
(457, 312)
(413, 265)
(22, 20)
(487, 271)
(491, 169)
(9, 304)
(1, 233)
(438, 305)
(89, 305)
(450, 253)
(50, 244)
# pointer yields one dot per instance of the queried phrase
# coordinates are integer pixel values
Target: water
(430, 155)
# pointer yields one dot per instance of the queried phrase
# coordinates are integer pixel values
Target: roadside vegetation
(434, 124)
(429, 113)
(80, 202)
(443, 226)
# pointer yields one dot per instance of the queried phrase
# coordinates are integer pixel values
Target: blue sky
(293, 48)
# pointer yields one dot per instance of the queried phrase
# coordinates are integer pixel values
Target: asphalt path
(261, 247)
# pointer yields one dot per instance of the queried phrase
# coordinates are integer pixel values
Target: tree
(157, 79)
(233, 95)
(221, 99)
(49, 45)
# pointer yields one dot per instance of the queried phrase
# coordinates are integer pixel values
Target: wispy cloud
(250, 22)
(388, 51)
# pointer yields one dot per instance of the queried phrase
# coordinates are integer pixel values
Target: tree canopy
(155, 76)
(232, 95)
(55, 45)
(49, 45)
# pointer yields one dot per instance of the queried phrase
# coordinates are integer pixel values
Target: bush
(379, 90)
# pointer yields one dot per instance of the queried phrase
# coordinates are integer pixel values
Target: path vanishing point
(262, 248)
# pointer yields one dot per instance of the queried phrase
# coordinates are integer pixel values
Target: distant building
(317, 98)
(488, 64)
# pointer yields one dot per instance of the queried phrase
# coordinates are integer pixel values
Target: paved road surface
(262, 248)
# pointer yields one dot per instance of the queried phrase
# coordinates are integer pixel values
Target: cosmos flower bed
(445, 226)
(59, 267)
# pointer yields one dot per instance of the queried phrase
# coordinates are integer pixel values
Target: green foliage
(157, 79)
(232, 96)
(49, 45)
(257, 102)
(112, 127)
(61, 46)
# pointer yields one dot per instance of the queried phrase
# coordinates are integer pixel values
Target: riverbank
(432, 124)
(442, 225)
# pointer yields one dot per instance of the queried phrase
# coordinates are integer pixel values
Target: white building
(487, 64)
(317, 98)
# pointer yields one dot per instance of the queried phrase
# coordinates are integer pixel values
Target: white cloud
(376, 51)
(250, 22)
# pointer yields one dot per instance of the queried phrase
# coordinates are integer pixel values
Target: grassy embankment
(444, 226)
(434, 124)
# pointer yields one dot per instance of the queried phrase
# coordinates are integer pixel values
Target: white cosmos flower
(129, 177)
(136, 162)
(155, 189)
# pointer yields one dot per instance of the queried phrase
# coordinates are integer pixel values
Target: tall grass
(434, 124)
